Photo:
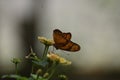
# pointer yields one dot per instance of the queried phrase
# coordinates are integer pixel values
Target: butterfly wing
(67, 36)
(63, 42)
(61, 39)
(70, 46)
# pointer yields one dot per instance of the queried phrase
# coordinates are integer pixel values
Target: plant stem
(45, 51)
(53, 68)
(51, 74)
(32, 69)
(37, 77)
(16, 69)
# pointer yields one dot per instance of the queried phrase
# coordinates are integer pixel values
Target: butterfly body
(63, 41)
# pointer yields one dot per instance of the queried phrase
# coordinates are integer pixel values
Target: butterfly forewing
(67, 36)
(59, 38)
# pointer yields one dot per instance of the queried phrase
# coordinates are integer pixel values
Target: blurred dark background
(94, 25)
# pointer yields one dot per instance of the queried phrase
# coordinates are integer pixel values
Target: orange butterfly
(63, 42)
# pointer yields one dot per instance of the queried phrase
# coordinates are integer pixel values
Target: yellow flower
(55, 57)
(45, 41)
(64, 61)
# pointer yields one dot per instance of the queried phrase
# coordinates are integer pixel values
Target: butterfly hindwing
(75, 47)
(70, 46)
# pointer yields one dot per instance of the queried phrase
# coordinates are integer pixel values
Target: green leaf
(16, 60)
(34, 76)
(15, 77)
(42, 63)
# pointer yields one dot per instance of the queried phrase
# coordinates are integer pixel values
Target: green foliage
(18, 77)
(45, 66)
(41, 63)
(16, 60)
(33, 77)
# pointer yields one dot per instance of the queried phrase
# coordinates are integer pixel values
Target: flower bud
(16, 60)
(63, 77)
(46, 75)
(39, 71)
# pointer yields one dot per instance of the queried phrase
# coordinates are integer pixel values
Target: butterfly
(63, 41)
